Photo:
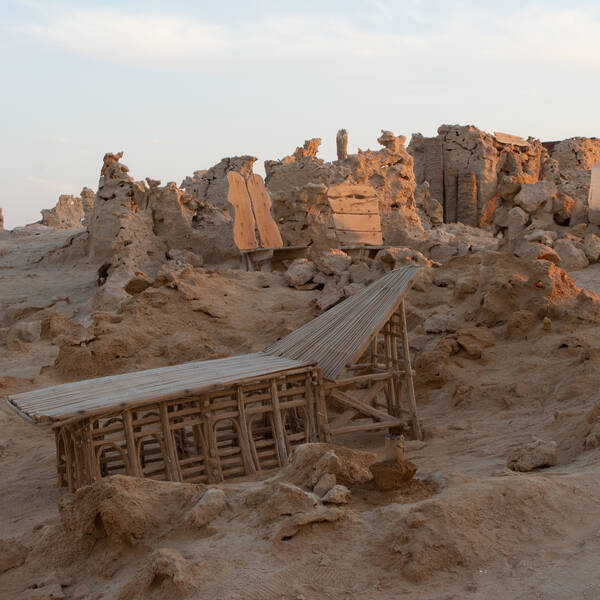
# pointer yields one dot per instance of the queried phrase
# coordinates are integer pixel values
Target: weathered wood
(354, 190)
(357, 223)
(322, 410)
(367, 426)
(278, 424)
(416, 426)
(354, 206)
(59, 464)
(373, 392)
(363, 408)
(372, 238)
(360, 379)
(71, 402)
(244, 443)
(244, 224)
(171, 463)
(310, 408)
(343, 419)
(261, 204)
(134, 465)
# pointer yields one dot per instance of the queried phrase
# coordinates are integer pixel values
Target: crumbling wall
(575, 158)
(469, 169)
(389, 171)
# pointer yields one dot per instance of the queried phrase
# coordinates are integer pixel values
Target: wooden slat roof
(95, 396)
(339, 336)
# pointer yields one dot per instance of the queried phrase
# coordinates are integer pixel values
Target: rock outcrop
(69, 212)
(467, 169)
(298, 185)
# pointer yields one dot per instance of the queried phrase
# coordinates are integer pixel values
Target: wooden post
(78, 453)
(249, 466)
(134, 463)
(310, 408)
(170, 458)
(59, 478)
(392, 400)
(202, 448)
(68, 458)
(322, 418)
(416, 426)
(214, 473)
(278, 424)
(397, 380)
(90, 456)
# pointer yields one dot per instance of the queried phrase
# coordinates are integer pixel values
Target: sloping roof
(95, 396)
(338, 337)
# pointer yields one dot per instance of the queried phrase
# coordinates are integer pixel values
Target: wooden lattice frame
(244, 428)
(383, 372)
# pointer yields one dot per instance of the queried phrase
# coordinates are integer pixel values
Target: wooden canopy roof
(95, 396)
(340, 336)
(332, 341)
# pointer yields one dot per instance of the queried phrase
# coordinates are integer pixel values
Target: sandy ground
(484, 533)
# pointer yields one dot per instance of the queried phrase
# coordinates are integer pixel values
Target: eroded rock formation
(70, 211)
(302, 180)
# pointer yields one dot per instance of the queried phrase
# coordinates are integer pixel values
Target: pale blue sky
(178, 85)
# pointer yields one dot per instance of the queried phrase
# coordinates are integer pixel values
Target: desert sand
(504, 323)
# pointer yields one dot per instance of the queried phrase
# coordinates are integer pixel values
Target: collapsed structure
(207, 421)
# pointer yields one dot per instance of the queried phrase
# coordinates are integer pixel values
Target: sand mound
(474, 525)
(125, 510)
(488, 288)
(187, 314)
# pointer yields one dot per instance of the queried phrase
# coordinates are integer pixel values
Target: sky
(179, 85)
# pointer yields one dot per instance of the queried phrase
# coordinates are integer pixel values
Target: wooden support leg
(310, 408)
(134, 463)
(91, 464)
(322, 418)
(392, 400)
(278, 425)
(170, 458)
(59, 464)
(249, 466)
(214, 472)
(202, 448)
(412, 401)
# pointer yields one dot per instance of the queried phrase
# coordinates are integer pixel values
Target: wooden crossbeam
(365, 409)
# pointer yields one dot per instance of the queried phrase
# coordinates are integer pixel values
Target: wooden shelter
(347, 370)
(361, 347)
